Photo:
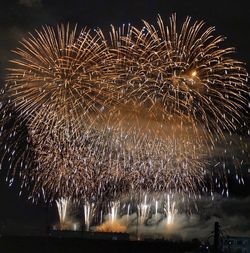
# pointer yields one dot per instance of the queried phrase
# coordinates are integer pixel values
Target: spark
(143, 210)
(170, 210)
(62, 207)
(88, 214)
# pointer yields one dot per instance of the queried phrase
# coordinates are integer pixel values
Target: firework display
(93, 119)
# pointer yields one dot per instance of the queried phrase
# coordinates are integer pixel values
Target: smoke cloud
(231, 213)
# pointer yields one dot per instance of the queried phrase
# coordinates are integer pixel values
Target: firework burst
(61, 79)
(57, 86)
(185, 71)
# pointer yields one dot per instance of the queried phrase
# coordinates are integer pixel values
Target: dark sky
(230, 17)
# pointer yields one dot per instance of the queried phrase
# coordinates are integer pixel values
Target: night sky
(17, 18)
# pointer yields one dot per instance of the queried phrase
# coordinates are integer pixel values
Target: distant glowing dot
(194, 73)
